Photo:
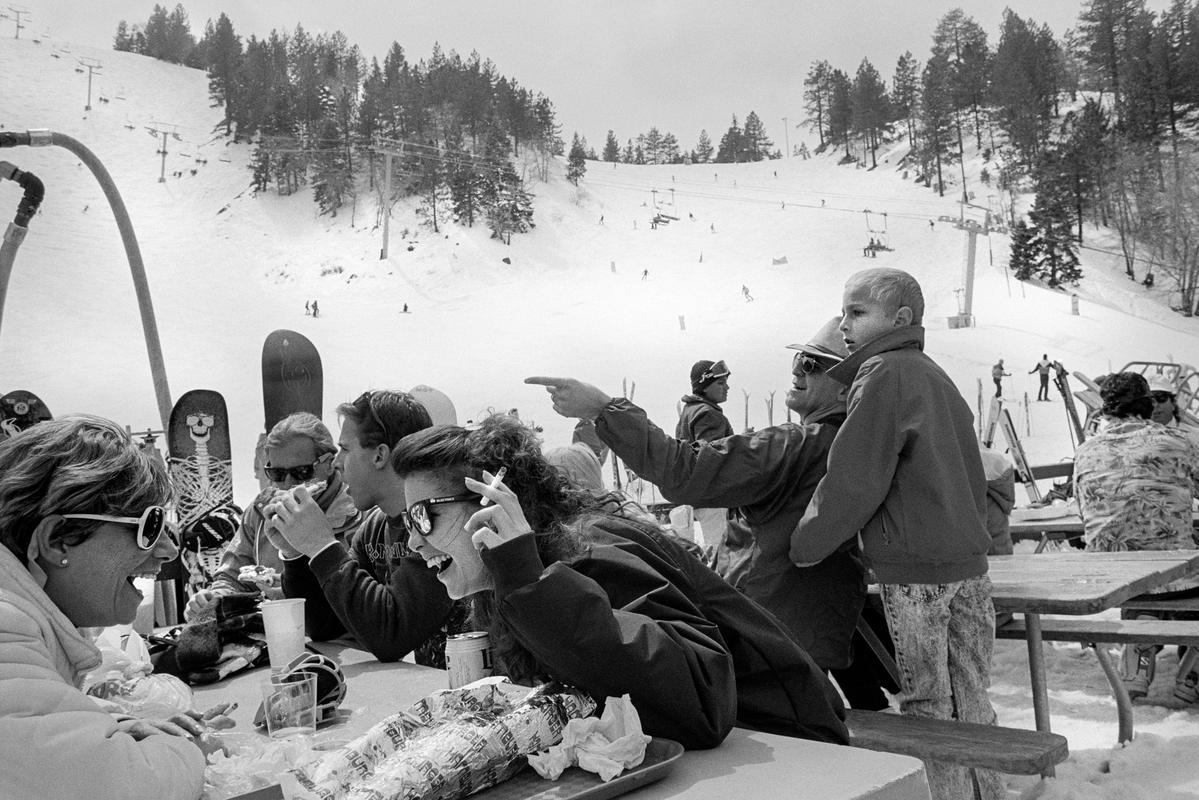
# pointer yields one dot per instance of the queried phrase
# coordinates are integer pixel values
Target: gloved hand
(215, 528)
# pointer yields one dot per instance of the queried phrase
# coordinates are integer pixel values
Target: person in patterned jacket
(1135, 482)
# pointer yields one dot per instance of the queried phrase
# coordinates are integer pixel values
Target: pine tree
(469, 190)
(938, 147)
(732, 147)
(1024, 84)
(962, 42)
(1020, 261)
(905, 93)
(611, 148)
(651, 146)
(703, 148)
(755, 144)
(512, 209)
(668, 149)
(122, 41)
(179, 40)
(628, 155)
(156, 32)
(576, 162)
(1103, 35)
(224, 54)
(817, 96)
(1051, 246)
(870, 107)
(840, 110)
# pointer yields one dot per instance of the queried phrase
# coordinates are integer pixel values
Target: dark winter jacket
(636, 614)
(701, 420)
(379, 591)
(904, 470)
(766, 480)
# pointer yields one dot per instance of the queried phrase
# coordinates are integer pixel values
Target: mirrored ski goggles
(806, 363)
(417, 518)
(714, 372)
(150, 525)
(301, 473)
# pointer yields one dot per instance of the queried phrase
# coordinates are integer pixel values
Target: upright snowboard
(437, 403)
(292, 379)
(201, 468)
(18, 410)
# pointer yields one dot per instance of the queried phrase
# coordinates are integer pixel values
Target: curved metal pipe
(41, 138)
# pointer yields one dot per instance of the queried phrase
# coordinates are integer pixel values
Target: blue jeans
(944, 635)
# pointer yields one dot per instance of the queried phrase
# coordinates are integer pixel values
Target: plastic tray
(577, 784)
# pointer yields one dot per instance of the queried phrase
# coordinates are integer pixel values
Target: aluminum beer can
(467, 657)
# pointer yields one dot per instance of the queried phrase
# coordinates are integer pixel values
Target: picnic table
(1078, 583)
(745, 760)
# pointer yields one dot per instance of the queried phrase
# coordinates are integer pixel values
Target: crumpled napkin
(607, 745)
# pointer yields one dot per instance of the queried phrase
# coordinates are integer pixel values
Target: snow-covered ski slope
(226, 268)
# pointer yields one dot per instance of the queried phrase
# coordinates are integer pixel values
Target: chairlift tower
(390, 149)
(965, 295)
(18, 12)
(163, 129)
(92, 65)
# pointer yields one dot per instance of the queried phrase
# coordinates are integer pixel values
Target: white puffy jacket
(55, 742)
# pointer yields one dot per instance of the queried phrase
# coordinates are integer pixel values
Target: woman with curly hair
(572, 589)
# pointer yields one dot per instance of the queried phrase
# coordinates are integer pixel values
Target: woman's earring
(64, 561)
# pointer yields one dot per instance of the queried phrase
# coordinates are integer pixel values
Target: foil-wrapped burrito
(444, 747)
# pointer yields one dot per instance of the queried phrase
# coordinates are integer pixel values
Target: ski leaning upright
(1062, 381)
(1023, 471)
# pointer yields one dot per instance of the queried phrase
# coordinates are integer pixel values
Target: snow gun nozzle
(14, 139)
(35, 192)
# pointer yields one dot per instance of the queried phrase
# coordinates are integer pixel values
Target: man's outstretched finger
(544, 380)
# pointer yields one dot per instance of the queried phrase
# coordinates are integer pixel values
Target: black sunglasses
(1162, 396)
(418, 520)
(303, 472)
(805, 363)
(150, 525)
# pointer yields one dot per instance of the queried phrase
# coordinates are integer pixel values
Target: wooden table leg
(1036, 674)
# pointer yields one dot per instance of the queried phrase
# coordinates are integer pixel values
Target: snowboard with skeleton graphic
(201, 468)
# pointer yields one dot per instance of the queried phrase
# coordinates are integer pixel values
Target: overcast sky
(626, 66)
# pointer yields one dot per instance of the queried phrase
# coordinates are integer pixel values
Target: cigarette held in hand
(495, 484)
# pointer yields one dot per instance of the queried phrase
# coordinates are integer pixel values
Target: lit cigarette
(495, 484)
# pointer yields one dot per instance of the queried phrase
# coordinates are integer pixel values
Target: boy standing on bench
(905, 473)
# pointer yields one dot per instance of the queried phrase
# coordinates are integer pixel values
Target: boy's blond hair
(891, 288)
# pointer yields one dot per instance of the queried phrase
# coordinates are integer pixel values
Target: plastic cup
(289, 704)
(283, 621)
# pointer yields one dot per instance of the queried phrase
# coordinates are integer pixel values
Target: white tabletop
(747, 764)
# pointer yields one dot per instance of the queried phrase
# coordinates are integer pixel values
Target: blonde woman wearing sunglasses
(80, 517)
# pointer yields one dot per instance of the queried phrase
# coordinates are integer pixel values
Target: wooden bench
(1007, 750)
(1148, 602)
(1095, 632)
(1108, 631)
